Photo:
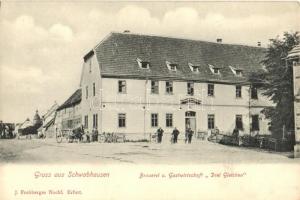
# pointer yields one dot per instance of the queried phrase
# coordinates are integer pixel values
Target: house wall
(91, 104)
(71, 113)
(138, 103)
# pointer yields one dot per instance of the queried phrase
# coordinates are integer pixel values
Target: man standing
(1, 129)
(160, 132)
(190, 133)
(175, 134)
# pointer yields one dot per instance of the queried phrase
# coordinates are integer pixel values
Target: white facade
(138, 104)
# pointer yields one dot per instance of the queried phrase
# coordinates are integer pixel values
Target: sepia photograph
(148, 83)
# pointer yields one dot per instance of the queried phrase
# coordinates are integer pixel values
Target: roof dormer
(236, 71)
(172, 66)
(143, 64)
(194, 68)
(214, 69)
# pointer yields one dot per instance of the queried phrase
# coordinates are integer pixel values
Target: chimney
(258, 44)
(219, 40)
(126, 31)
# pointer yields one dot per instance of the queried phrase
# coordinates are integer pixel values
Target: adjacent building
(134, 84)
(48, 128)
(293, 58)
(68, 115)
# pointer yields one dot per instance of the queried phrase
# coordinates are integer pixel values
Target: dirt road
(49, 151)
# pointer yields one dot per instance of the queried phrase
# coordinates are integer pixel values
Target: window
(190, 88)
(122, 86)
(238, 72)
(239, 122)
(94, 89)
(122, 120)
(255, 123)
(169, 87)
(95, 121)
(211, 121)
(154, 87)
(216, 70)
(86, 92)
(195, 69)
(90, 65)
(86, 122)
(169, 120)
(154, 120)
(143, 64)
(238, 91)
(254, 92)
(171, 66)
(210, 89)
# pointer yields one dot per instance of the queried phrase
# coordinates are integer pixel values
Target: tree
(277, 83)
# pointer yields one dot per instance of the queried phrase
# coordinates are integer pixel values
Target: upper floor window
(143, 64)
(86, 92)
(194, 68)
(154, 120)
(122, 86)
(238, 91)
(190, 88)
(154, 87)
(94, 89)
(254, 92)
(169, 120)
(211, 121)
(210, 89)
(121, 120)
(214, 70)
(172, 66)
(239, 122)
(169, 87)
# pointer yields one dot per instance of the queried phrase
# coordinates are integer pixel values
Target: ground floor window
(255, 123)
(86, 121)
(122, 120)
(154, 120)
(169, 120)
(211, 121)
(239, 122)
(95, 121)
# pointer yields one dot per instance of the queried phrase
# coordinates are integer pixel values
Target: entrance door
(190, 120)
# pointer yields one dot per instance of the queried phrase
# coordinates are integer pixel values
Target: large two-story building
(135, 84)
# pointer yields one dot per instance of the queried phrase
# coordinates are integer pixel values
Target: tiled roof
(118, 53)
(74, 99)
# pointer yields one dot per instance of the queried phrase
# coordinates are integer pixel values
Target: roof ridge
(178, 38)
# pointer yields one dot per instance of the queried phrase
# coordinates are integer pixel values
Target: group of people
(5, 131)
(174, 139)
(79, 133)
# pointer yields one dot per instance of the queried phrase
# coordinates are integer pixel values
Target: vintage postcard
(149, 100)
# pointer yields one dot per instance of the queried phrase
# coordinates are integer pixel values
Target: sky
(42, 43)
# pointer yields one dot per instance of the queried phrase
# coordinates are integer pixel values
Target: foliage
(277, 83)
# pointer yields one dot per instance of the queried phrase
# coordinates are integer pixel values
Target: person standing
(175, 134)
(160, 132)
(190, 133)
(1, 129)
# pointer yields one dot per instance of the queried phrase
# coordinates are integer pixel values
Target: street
(199, 152)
